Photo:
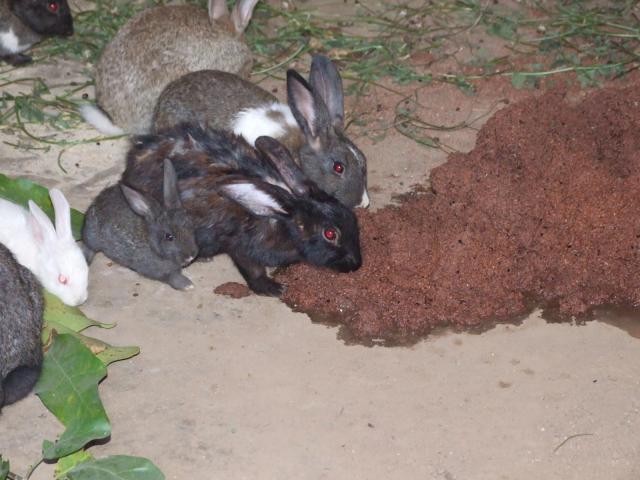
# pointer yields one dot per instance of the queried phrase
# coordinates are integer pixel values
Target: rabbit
(159, 45)
(255, 205)
(312, 125)
(24, 23)
(50, 253)
(152, 238)
(21, 308)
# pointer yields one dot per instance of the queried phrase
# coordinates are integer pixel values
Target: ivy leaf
(68, 387)
(21, 190)
(65, 464)
(70, 317)
(117, 467)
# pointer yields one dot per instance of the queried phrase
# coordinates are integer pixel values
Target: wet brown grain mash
(546, 207)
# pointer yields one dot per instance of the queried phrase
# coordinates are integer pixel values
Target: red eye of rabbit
(63, 279)
(53, 6)
(338, 167)
(169, 237)
(330, 234)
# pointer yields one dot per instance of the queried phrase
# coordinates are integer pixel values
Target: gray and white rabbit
(52, 254)
(162, 44)
(153, 239)
(311, 125)
(21, 307)
(24, 23)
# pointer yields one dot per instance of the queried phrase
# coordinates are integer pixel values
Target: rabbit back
(21, 308)
(208, 97)
(138, 63)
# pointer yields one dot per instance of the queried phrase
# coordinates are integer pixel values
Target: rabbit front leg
(88, 253)
(256, 277)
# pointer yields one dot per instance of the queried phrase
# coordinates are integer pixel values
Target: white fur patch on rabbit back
(272, 120)
(254, 199)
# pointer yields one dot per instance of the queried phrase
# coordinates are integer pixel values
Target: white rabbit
(50, 253)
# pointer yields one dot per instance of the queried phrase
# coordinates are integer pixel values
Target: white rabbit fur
(50, 253)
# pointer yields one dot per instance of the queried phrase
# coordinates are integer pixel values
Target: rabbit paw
(180, 282)
(17, 59)
(268, 287)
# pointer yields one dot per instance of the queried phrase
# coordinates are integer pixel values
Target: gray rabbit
(159, 45)
(311, 125)
(137, 232)
(21, 307)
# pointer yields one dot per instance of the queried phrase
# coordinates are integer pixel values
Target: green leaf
(70, 317)
(21, 190)
(65, 464)
(117, 467)
(4, 468)
(115, 354)
(106, 353)
(68, 387)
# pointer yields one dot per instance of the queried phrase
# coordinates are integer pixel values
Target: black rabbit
(25, 22)
(21, 307)
(255, 205)
(154, 238)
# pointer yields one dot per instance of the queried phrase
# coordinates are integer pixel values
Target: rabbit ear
(308, 109)
(282, 160)
(256, 197)
(217, 9)
(63, 214)
(139, 203)
(241, 14)
(325, 81)
(170, 186)
(40, 225)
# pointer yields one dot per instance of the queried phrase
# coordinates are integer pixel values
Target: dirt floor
(247, 389)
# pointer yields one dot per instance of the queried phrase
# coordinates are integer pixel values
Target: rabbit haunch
(21, 308)
(255, 205)
(50, 253)
(159, 45)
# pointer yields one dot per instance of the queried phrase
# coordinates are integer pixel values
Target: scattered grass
(390, 46)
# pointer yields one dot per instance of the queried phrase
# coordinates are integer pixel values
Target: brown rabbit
(160, 45)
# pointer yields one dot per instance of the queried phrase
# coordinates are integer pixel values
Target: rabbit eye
(53, 6)
(338, 167)
(63, 279)
(169, 237)
(331, 234)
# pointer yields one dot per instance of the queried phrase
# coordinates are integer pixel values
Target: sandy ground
(247, 389)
